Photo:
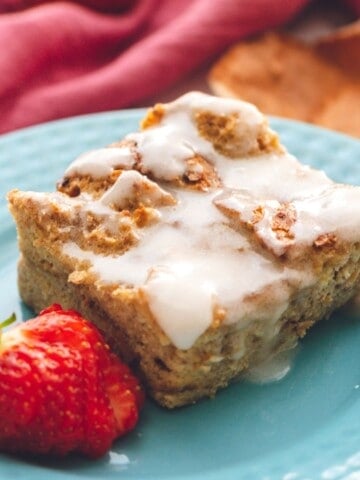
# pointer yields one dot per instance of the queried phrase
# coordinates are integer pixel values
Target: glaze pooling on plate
(305, 425)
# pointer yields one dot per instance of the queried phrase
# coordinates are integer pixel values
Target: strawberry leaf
(8, 321)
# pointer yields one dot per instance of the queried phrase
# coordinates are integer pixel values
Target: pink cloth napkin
(66, 58)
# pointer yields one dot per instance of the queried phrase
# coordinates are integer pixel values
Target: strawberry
(61, 388)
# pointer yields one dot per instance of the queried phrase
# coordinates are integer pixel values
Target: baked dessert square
(198, 245)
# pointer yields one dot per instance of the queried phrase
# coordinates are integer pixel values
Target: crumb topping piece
(233, 137)
(282, 222)
(132, 190)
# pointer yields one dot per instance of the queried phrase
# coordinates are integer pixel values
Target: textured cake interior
(199, 245)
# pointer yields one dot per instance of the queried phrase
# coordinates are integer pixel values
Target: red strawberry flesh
(61, 389)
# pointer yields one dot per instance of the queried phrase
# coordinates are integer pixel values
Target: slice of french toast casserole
(199, 245)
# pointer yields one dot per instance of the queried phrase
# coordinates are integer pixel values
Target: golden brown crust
(153, 116)
(223, 132)
(58, 226)
(76, 184)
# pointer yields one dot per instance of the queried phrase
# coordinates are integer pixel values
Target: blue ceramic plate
(306, 426)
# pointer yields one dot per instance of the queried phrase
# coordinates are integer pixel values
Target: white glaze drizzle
(189, 252)
(177, 139)
(100, 163)
(191, 261)
(272, 368)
